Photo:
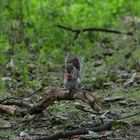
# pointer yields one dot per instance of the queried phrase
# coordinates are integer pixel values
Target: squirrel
(72, 77)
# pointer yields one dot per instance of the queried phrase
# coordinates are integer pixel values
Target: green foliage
(32, 53)
(3, 49)
(6, 133)
(27, 28)
(2, 86)
(118, 124)
(62, 107)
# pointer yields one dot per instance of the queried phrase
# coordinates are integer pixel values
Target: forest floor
(113, 71)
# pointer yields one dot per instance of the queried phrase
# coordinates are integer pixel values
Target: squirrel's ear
(68, 58)
(76, 63)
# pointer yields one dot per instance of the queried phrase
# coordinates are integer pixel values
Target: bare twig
(26, 96)
(84, 110)
(91, 29)
(38, 90)
(128, 116)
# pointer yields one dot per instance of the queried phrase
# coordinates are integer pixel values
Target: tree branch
(91, 29)
(55, 96)
(64, 95)
(67, 134)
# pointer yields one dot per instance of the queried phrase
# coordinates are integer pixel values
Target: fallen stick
(68, 134)
(17, 103)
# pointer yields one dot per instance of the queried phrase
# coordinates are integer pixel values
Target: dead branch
(84, 110)
(64, 95)
(26, 96)
(91, 29)
(8, 109)
(38, 90)
(55, 96)
(9, 98)
(17, 103)
(128, 116)
(68, 134)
